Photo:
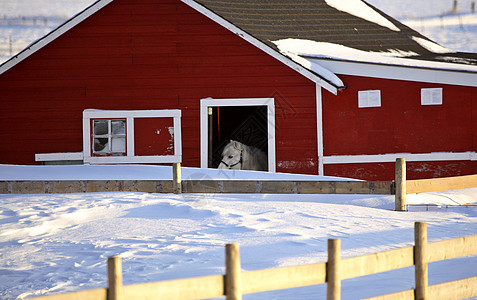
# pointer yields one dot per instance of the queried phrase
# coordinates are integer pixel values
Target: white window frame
(431, 96)
(205, 104)
(369, 98)
(130, 156)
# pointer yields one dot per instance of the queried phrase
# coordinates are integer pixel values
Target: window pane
(100, 145)
(118, 144)
(118, 127)
(100, 127)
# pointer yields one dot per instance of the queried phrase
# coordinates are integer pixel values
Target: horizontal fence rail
(198, 186)
(234, 283)
(441, 184)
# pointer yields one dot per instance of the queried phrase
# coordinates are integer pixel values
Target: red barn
(320, 88)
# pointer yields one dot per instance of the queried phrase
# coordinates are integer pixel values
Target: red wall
(148, 55)
(400, 125)
(164, 55)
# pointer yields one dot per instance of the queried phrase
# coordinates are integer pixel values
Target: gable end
(267, 49)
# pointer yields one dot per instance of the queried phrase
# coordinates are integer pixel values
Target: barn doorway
(249, 121)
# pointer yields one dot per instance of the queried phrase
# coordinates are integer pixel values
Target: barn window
(431, 96)
(132, 136)
(109, 137)
(370, 98)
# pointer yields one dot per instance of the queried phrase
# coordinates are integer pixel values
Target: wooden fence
(234, 283)
(403, 186)
(399, 187)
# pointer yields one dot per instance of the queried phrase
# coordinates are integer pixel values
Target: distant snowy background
(24, 21)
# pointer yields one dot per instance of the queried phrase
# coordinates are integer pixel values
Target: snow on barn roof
(321, 50)
(318, 28)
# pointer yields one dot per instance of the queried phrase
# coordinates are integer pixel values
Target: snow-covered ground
(59, 243)
(24, 21)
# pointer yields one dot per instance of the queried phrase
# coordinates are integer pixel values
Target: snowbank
(140, 172)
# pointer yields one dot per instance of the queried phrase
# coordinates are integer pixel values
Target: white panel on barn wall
(431, 96)
(370, 98)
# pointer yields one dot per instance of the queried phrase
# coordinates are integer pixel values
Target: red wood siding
(400, 125)
(148, 55)
(415, 170)
(154, 136)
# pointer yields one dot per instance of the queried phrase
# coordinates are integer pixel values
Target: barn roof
(303, 33)
(287, 25)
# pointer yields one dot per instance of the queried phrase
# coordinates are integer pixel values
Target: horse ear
(237, 145)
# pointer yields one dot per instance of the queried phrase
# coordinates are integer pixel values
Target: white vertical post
(319, 129)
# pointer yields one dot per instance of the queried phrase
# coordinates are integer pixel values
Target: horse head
(232, 156)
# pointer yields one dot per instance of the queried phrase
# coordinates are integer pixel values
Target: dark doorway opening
(245, 124)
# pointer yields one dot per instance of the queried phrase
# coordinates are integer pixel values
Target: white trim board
(252, 40)
(37, 45)
(428, 75)
(59, 156)
(319, 129)
(391, 157)
(210, 102)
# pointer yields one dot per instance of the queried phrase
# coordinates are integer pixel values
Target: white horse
(238, 156)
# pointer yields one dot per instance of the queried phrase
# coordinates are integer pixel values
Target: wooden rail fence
(403, 186)
(399, 187)
(235, 282)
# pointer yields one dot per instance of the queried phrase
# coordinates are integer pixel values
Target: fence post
(233, 280)
(10, 44)
(400, 181)
(454, 7)
(420, 260)
(333, 278)
(176, 178)
(115, 278)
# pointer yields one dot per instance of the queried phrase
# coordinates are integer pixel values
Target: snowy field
(24, 21)
(59, 243)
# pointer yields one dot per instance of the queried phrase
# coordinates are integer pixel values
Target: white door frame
(206, 103)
